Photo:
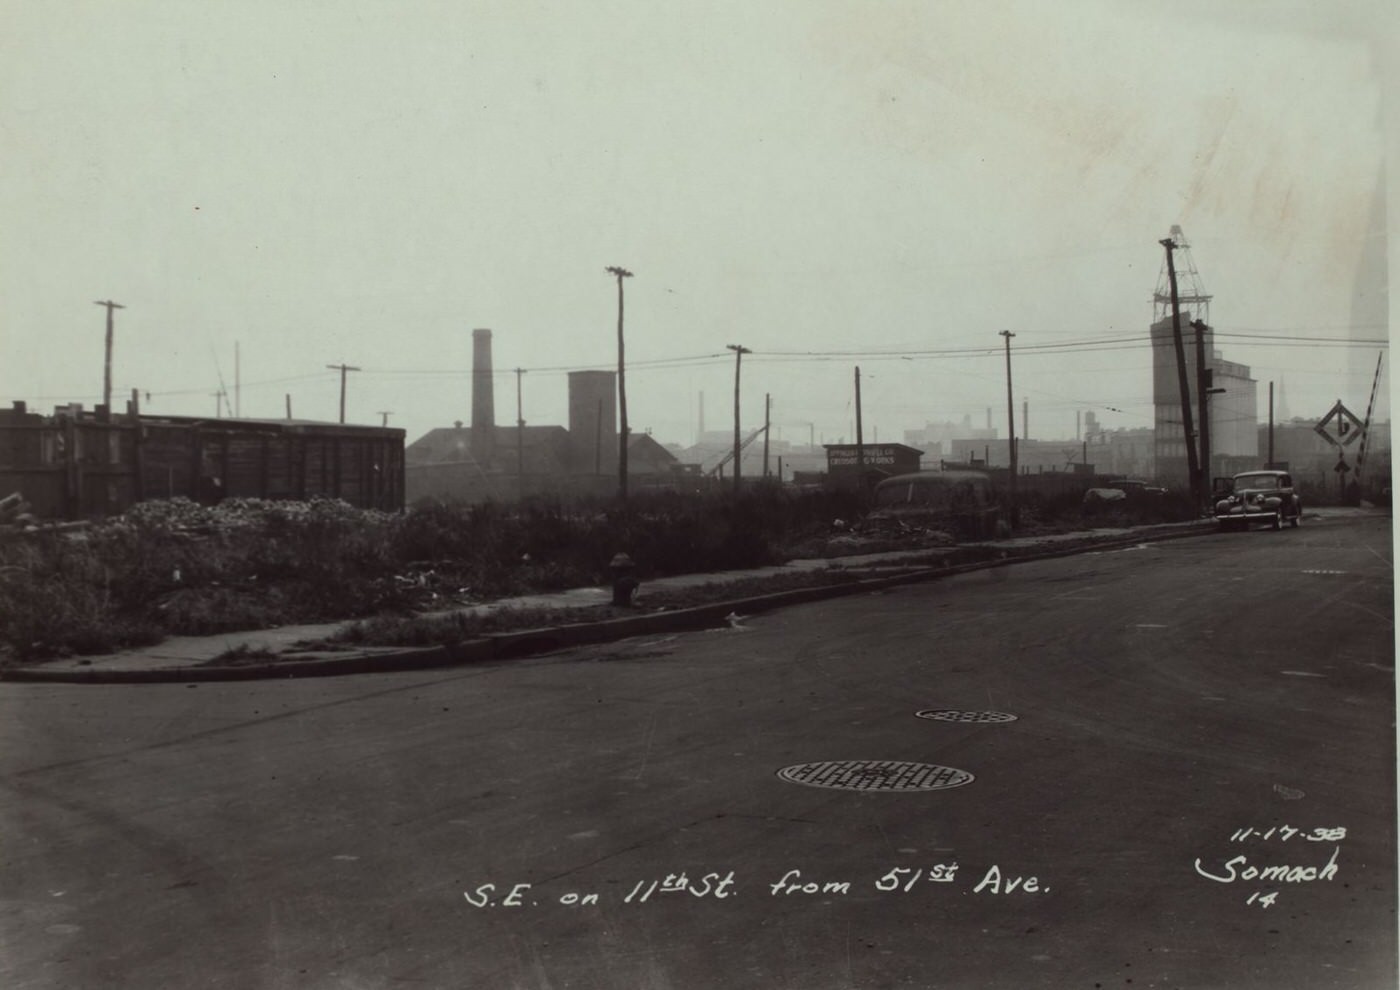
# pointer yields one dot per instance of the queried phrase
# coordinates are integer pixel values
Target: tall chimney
(1025, 418)
(483, 397)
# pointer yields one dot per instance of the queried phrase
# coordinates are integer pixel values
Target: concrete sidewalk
(217, 657)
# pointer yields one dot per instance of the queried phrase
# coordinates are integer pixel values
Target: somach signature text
(1269, 875)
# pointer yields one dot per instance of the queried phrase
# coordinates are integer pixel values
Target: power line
(682, 361)
(204, 389)
(1063, 347)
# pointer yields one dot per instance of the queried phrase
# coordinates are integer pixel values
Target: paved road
(340, 833)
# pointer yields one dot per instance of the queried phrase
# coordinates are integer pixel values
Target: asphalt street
(1197, 789)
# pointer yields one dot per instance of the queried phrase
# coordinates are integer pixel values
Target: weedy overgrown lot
(174, 567)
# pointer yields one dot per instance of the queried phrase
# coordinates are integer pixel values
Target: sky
(272, 188)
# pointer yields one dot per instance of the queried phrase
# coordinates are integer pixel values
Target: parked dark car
(1259, 496)
(960, 502)
(1121, 490)
(1134, 488)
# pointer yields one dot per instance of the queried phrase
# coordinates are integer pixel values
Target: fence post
(196, 460)
(72, 477)
(138, 480)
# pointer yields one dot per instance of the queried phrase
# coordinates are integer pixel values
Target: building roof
(249, 424)
(544, 448)
(871, 445)
(644, 446)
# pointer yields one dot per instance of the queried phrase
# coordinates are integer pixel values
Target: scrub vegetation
(175, 567)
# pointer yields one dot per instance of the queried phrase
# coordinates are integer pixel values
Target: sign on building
(846, 462)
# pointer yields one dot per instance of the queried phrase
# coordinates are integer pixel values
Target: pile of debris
(15, 514)
(882, 534)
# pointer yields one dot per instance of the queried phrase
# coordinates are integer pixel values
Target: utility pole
(1010, 431)
(384, 415)
(1192, 468)
(343, 368)
(767, 421)
(219, 403)
(739, 352)
(107, 363)
(1270, 461)
(288, 397)
(860, 439)
(1203, 378)
(620, 274)
(519, 434)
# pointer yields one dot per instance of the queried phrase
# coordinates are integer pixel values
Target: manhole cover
(952, 715)
(875, 775)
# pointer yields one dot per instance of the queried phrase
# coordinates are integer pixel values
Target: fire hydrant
(624, 579)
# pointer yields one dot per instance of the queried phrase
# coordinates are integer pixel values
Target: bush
(57, 599)
(173, 566)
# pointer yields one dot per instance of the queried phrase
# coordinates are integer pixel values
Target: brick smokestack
(483, 397)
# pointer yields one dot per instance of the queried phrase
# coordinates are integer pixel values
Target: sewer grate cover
(875, 775)
(952, 715)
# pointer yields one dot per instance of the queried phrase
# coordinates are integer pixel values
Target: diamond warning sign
(1339, 427)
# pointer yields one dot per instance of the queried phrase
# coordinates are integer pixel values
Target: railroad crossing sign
(1339, 427)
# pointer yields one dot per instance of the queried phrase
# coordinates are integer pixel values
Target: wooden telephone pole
(1188, 432)
(519, 434)
(739, 351)
(1010, 431)
(343, 368)
(107, 363)
(620, 274)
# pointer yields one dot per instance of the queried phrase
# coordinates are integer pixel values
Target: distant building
(1032, 456)
(483, 460)
(593, 423)
(936, 439)
(852, 466)
(1233, 412)
(647, 457)
(1126, 453)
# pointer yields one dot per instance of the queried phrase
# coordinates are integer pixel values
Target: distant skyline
(829, 184)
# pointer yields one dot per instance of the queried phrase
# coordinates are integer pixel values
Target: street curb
(496, 647)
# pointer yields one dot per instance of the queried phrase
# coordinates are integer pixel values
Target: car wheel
(1297, 518)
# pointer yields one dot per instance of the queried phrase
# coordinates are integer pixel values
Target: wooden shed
(850, 465)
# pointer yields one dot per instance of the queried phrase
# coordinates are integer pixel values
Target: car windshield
(1245, 481)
